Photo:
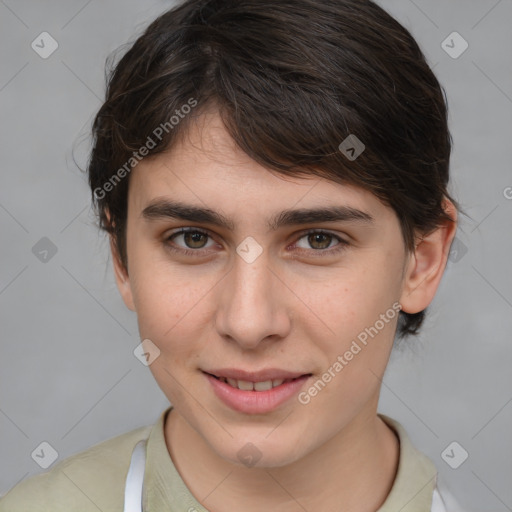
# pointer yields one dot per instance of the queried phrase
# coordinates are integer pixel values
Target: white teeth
(263, 386)
(233, 383)
(245, 385)
(253, 386)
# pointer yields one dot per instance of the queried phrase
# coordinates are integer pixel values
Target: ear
(426, 265)
(121, 275)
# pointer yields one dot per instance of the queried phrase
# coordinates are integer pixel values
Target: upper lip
(259, 376)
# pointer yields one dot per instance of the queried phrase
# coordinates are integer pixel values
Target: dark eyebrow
(166, 209)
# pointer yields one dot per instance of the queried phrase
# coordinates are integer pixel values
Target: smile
(256, 393)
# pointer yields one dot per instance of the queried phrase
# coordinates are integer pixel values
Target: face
(260, 295)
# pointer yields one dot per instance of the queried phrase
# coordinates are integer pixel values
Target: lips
(255, 392)
(263, 380)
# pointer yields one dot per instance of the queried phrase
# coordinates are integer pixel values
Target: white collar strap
(135, 479)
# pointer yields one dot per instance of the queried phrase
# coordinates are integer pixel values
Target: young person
(273, 178)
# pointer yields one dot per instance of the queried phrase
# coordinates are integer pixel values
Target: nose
(253, 304)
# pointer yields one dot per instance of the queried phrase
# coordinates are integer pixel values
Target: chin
(261, 453)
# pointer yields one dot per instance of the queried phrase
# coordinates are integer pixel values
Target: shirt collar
(164, 489)
(415, 479)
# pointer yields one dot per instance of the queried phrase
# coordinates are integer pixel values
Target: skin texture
(291, 308)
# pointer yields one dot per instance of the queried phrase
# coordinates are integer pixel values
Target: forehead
(206, 167)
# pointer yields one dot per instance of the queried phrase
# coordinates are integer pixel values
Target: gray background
(68, 375)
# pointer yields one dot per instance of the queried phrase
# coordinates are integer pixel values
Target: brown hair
(292, 80)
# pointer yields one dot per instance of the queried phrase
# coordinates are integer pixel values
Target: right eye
(194, 240)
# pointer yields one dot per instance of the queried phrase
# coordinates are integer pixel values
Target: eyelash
(341, 246)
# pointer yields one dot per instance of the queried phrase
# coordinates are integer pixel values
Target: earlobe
(122, 277)
(427, 264)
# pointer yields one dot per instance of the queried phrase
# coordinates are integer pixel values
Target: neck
(354, 470)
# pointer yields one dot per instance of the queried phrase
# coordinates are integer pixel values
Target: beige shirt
(94, 480)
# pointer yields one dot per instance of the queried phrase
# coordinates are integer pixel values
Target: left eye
(193, 238)
(318, 240)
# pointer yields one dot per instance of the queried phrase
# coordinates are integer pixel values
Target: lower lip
(256, 402)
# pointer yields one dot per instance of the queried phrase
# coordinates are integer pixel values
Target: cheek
(351, 300)
(172, 309)
(354, 316)
(358, 322)
(171, 314)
